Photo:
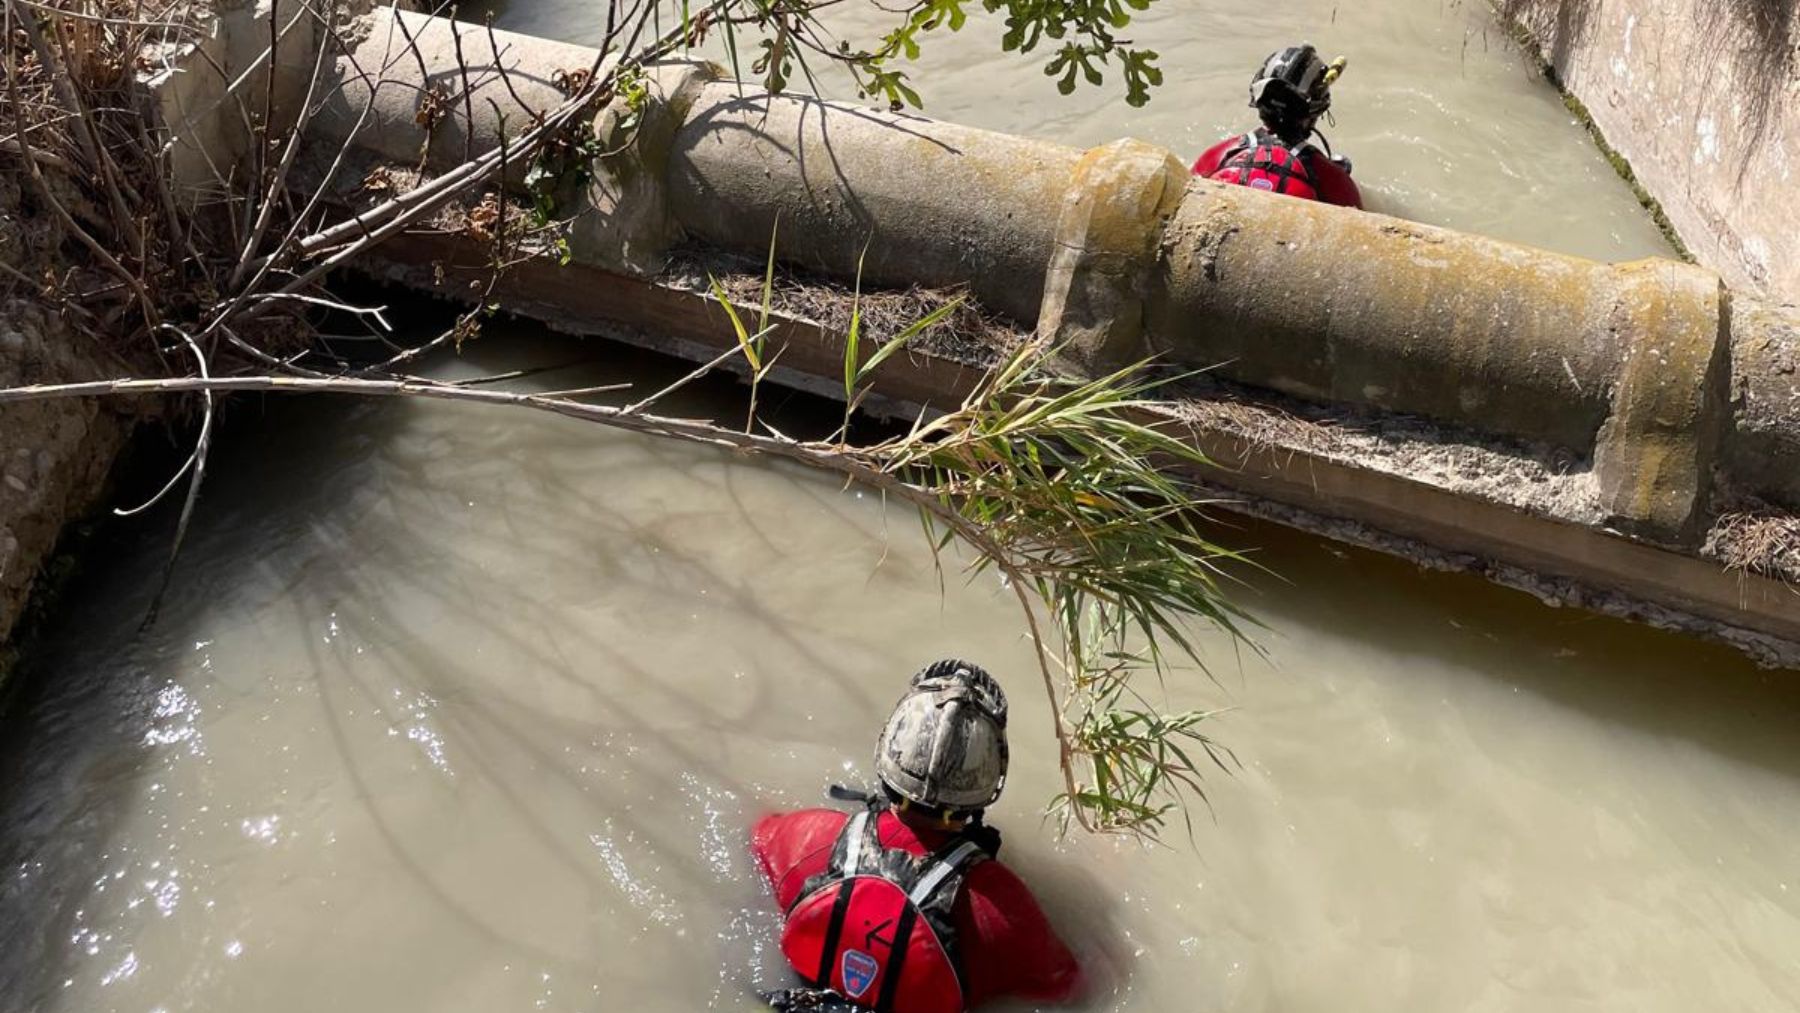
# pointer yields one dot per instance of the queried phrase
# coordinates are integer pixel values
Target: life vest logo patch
(860, 970)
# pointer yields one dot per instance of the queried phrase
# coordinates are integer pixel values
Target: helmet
(944, 747)
(1293, 85)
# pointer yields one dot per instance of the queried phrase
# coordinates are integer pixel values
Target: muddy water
(455, 709)
(462, 710)
(1445, 121)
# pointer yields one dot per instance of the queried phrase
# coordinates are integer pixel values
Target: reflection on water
(466, 709)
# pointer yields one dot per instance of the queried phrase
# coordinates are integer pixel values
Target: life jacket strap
(834, 933)
(855, 838)
(941, 869)
(890, 984)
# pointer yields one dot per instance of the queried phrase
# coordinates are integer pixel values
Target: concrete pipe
(1116, 252)
(1762, 447)
(407, 95)
(1335, 305)
(933, 204)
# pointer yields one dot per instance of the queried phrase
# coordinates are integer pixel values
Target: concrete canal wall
(56, 456)
(1702, 98)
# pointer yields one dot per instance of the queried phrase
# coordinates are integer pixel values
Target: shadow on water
(72, 749)
(73, 753)
(1654, 681)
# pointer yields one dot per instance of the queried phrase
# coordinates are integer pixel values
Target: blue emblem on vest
(860, 970)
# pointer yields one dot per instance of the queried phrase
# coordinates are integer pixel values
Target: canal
(466, 709)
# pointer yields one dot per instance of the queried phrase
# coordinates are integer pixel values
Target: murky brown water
(462, 709)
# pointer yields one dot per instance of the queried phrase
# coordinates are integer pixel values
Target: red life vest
(1264, 163)
(875, 927)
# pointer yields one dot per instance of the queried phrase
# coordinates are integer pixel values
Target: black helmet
(1293, 86)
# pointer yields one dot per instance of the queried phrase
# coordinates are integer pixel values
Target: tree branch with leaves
(1064, 488)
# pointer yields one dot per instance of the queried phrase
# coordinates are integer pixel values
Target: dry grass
(969, 334)
(1761, 541)
(1260, 426)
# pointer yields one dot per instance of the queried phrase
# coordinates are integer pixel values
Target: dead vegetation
(87, 223)
(1260, 426)
(968, 333)
(1762, 541)
(231, 277)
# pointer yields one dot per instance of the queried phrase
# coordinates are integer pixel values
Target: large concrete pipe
(1620, 361)
(932, 203)
(1117, 253)
(429, 91)
(434, 91)
(1337, 305)
(1762, 447)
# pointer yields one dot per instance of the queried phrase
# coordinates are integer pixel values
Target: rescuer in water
(1290, 93)
(901, 906)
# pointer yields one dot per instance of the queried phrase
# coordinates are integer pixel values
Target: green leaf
(737, 324)
(853, 337)
(768, 289)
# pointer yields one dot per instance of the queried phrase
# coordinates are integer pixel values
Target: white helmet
(944, 747)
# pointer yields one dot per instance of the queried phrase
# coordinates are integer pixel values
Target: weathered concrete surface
(1762, 449)
(54, 455)
(215, 96)
(632, 225)
(421, 90)
(969, 207)
(1330, 304)
(931, 203)
(425, 91)
(1101, 266)
(1702, 97)
(1654, 454)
